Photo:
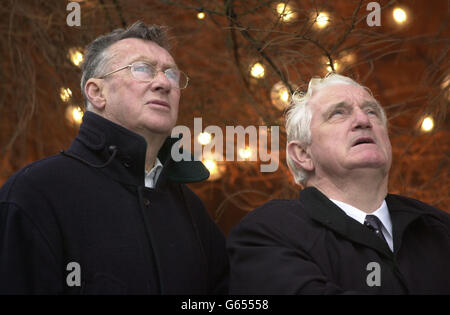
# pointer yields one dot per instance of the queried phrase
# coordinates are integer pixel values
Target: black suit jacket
(310, 246)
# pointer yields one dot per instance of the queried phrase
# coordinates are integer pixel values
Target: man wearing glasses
(111, 215)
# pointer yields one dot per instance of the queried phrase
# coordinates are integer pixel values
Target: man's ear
(94, 93)
(299, 154)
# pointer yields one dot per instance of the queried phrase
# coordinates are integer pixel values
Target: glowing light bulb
(210, 165)
(215, 170)
(204, 138)
(74, 114)
(399, 15)
(65, 94)
(322, 20)
(201, 15)
(335, 65)
(245, 153)
(348, 58)
(280, 95)
(76, 56)
(77, 114)
(284, 96)
(285, 12)
(257, 70)
(427, 124)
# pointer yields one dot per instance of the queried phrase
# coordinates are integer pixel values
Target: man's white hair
(299, 115)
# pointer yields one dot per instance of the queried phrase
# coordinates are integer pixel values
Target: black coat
(310, 246)
(89, 205)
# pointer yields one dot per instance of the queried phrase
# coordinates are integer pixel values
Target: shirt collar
(151, 176)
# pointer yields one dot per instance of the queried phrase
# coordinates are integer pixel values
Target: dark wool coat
(310, 246)
(89, 205)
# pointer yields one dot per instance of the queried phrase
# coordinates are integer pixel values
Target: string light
(399, 15)
(347, 58)
(215, 170)
(280, 96)
(204, 138)
(335, 65)
(77, 114)
(74, 114)
(285, 11)
(257, 70)
(322, 20)
(427, 124)
(76, 56)
(65, 94)
(245, 153)
(211, 166)
(201, 15)
(284, 96)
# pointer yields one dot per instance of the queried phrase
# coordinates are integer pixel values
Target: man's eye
(172, 74)
(337, 112)
(143, 68)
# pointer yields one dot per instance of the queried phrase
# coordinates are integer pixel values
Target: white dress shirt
(152, 176)
(382, 213)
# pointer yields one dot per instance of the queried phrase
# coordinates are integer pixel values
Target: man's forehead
(339, 93)
(131, 48)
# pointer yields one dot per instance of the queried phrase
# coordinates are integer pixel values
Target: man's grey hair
(97, 55)
(299, 115)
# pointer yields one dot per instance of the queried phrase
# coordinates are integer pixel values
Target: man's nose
(361, 119)
(160, 82)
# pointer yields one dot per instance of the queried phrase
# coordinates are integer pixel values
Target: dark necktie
(374, 224)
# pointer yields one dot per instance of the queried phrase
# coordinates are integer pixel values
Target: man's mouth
(363, 140)
(158, 102)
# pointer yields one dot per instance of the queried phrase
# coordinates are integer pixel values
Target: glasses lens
(173, 75)
(143, 71)
(177, 78)
(146, 72)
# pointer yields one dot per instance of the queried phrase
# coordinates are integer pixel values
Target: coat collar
(120, 153)
(323, 210)
(402, 215)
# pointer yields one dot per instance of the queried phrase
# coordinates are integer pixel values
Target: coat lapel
(401, 216)
(181, 171)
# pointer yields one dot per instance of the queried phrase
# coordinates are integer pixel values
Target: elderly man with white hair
(346, 233)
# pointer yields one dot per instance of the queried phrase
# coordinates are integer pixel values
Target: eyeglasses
(145, 72)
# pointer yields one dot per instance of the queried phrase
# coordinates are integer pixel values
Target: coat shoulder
(429, 213)
(41, 169)
(35, 183)
(274, 210)
(418, 206)
(50, 166)
(282, 220)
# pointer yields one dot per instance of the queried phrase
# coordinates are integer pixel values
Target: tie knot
(373, 223)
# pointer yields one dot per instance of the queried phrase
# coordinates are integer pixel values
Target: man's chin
(162, 131)
(375, 164)
(160, 126)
